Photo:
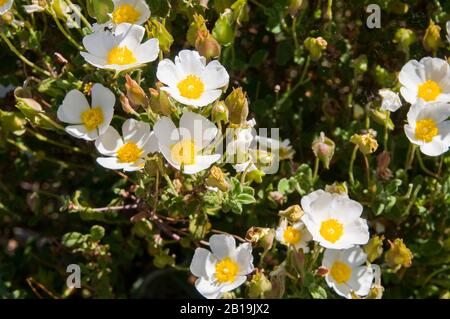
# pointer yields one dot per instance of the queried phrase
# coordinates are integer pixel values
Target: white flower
(34, 7)
(5, 5)
(391, 100)
(334, 220)
(348, 272)
(184, 146)
(88, 122)
(296, 235)
(190, 80)
(428, 128)
(120, 49)
(426, 80)
(222, 270)
(130, 11)
(127, 152)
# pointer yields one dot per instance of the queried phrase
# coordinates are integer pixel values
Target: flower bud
(255, 176)
(432, 38)
(404, 38)
(277, 197)
(323, 148)
(292, 213)
(261, 236)
(337, 188)
(259, 285)
(159, 102)
(199, 24)
(135, 93)
(296, 5)
(237, 105)
(322, 271)
(367, 144)
(12, 122)
(398, 255)
(380, 117)
(158, 31)
(223, 30)
(383, 161)
(315, 47)
(7, 18)
(374, 248)
(217, 179)
(219, 112)
(207, 46)
(126, 106)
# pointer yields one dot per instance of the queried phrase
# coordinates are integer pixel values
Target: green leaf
(317, 292)
(246, 199)
(73, 239)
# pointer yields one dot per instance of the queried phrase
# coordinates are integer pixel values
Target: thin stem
(169, 182)
(386, 135)
(78, 13)
(422, 165)
(244, 174)
(367, 166)
(216, 231)
(294, 31)
(316, 170)
(410, 157)
(43, 138)
(64, 31)
(352, 161)
(23, 58)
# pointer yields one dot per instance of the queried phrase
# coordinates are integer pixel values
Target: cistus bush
(224, 149)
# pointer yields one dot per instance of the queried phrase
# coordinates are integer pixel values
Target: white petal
(329, 257)
(355, 233)
(109, 143)
(151, 146)
(129, 35)
(148, 51)
(103, 97)
(79, 131)
(435, 148)
(190, 62)
(202, 162)
(308, 199)
(136, 166)
(198, 262)
(361, 280)
(111, 163)
(410, 95)
(215, 76)
(231, 286)
(412, 74)
(354, 256)
(135, 131)
(98, 62)
(222, 246)
(99, 43)
(197, 127)
(72, 106)
(244, 258)
(168, 73)
(207, 288)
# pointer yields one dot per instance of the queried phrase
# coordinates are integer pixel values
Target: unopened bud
(207, 46)
(223, 30)
(135, 93)
(432, 38)
(217, 179)
(398, 255)
(198, 24)
(219, 112)
(259, 285)
(323, 148)
(382, 118)
(296, 5)
(374, 248)
(404, 38)
(383, 161)
(159, 102)
(367, 144)
(292, 213)
(237, 105)
(315, 47)
(158, 31)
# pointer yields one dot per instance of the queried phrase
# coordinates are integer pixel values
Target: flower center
(331, 230)
(429, 90)
(426, 129)
(129, 153)
(121, 56)
(340, 272)
(191, 87)
(92, 118)
(183, 152)
(226, 270)
(125, 13)
(292, 235)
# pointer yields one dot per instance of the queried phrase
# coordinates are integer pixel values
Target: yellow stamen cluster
(292, 235)
(129, 153)
(184, 152)
(426, 129)
(226, 270)
(121, 56)
(125, 13)
(429, 90)
(191, 87)
(92, 118)
(341, 272)
(332, 230)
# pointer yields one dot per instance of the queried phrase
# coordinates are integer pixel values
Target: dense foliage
(304, 67)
